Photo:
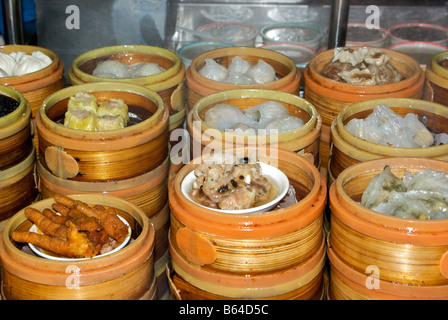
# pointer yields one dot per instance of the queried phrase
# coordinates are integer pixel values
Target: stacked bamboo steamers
(324, 245)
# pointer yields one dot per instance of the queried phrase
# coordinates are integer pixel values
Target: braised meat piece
(230, 187)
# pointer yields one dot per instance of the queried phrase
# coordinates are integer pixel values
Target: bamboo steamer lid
(198, 86)
(36, 86)
(436, 85)
(15, 131)
(304, 140)
(411, 255)
(124, 275)
(17, 186)
(109, 155)
(233, 250)
(169, 84)
(347, 149)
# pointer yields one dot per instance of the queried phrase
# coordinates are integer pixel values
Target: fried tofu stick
(77, 245)
(46, 225)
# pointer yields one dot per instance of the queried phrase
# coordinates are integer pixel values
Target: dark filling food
(7, 105)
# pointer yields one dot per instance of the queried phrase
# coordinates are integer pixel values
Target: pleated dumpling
(114, 107)
(80, 119)
(109, 122)
(84, 101)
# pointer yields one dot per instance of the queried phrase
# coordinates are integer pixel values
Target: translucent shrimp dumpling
(114, 107)
(262, 72)
(113, 69)
(214, 71)
(144, 69)
(225, 116)
(284, 124)
(239, 65)
(266, 111)
(380, 187)
(237, 71)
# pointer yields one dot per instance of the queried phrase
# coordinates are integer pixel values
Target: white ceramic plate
(267, 170)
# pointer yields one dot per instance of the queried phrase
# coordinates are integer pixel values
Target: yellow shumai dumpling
(80, 119)
(114, 107)
(84, 101)
(109, 122)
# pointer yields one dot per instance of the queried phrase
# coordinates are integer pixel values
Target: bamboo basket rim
(408, 103)
(260, 225)
(17, 119)
(193, 73)
(139, 183)
(129, 49)
(253, 281)
(31, 267)
(44, 82)
(260, 94)
(36, 76)
(20, 167)
(89, 140)
(374, 224)
(388, 290)
(438, 69)
(435, 78)
(365, 89)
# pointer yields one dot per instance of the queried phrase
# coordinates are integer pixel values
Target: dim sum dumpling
(225, 116)
(7, 64)
(114, 107)
(284, 124)
(144, 69)
(83, 100)
(113, 69)
(80, 119)
(380, 187)
(239, 65)
(262, 72)
(214, 71)
(266, 111)
(109, 122)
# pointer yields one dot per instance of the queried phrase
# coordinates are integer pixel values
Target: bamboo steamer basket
(274, 255)
(285, 68)
(169, 84)
(104, 156)
(15, 131)
(17, 186)
(436, 84)
(36, 86)
(409, 256)
(347, 149)
(148, 191)
(127, 274)
(304, 140)
(331, 97)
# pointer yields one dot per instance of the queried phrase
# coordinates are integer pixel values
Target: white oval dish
(267, 170)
